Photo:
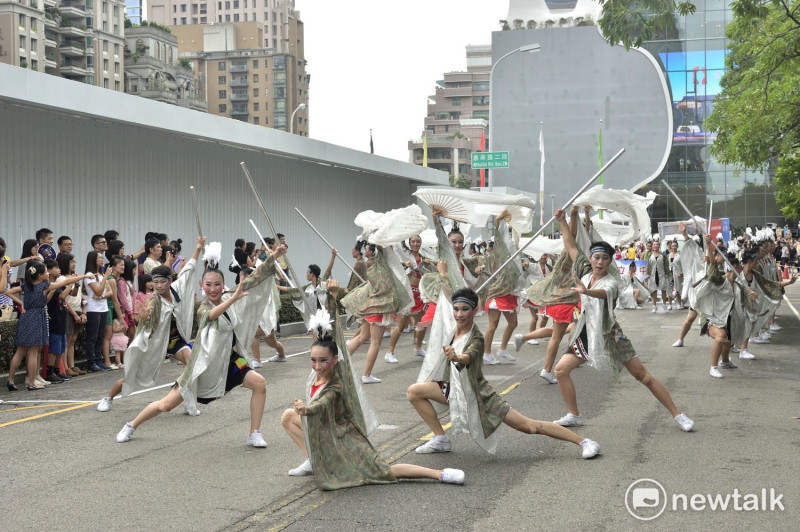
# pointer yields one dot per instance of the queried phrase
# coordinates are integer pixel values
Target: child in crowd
(119, 342)
(58, 316)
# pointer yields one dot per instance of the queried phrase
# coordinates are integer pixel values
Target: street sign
(489, 159)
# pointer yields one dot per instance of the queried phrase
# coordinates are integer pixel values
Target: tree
(460, 182)
(518, 23)
(757, 114)
(504, 25)
(531, 24)
(631, 22)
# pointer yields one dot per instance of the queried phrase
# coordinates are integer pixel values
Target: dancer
(658, 277)
(676, 271)
(217, 363)
(633, 292)
(474, 405)
(416, 266)
(693, 266)
(501, 298)
(558, 301)
(597, 337)
(164, 325)
(329, 426)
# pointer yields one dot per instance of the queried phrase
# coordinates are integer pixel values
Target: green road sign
(489, 159)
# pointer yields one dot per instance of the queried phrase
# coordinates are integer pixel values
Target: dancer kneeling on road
(598, 338)
(329, 425)
(474, 406)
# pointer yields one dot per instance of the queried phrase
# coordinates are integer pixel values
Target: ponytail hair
(33, 270)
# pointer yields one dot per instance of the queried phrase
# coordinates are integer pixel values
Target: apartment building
(244, 80)
(278, 17)
(458, 114)
(81, 40)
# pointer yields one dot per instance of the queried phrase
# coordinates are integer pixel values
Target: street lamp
(291, 120)
(534, 47)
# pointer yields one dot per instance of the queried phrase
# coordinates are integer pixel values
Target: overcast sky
(373, 63)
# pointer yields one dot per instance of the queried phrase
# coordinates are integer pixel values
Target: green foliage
(128, 23)
(757, 114)
(460, 182)
(185, 62)
(631, 22)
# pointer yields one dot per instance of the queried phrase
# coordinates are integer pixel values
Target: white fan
(470, 206)
(391, 227)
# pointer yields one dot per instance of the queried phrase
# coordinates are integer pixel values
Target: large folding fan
(470, 206)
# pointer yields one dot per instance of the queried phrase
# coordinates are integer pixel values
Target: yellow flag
(425, 149)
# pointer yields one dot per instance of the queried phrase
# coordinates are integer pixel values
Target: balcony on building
(457, 92)
(240, 96)
(49, 3)
(238, 82)
(239, 110)
(73, 29)
(72, 48)
(73, 10)
(50, 64)
(73, 67)
(239, 67)
(193, 102)
(50, 41)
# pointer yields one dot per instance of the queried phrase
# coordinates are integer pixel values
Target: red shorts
(560, 313)
(427, 318)
(418, 303)
(375, 318)
(506, 303)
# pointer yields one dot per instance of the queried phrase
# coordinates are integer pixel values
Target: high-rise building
(458, 114)
(278, 17)
(245, 81)
(153, 70)
(81, 40)
(134, 11)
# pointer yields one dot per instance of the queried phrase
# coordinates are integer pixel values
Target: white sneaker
(387, 334)
(570, 420)
(390, 358)
(409, 329)
(766, 335)
(744, 354)
(125, 434)
(669, 307)
(371, 379)
(488, 358)
(518, 341)
(437, 444)
(590, 449)
(104, 405)
(548, 376)
(113, 366)
(452, 476)
(302, 470)
(686, 424)
(716, 373)
(665, 308)
(256, 440)
(40, 381)
(190, 411)
(655, 309)
(758, 340)
(533, 341)
(420, 352)
(505, 354)
(728, 365)
(678, 343)
(775, 327)
(255, 364)
(276, 358)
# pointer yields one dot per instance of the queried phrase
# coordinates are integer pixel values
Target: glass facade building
(692, 55)
(133, 11)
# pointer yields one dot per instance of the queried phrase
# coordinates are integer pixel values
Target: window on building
(105, 83)
(456, 101)
(481, 114)
(183, 21)
(266, 120)
(223, 94)
(235, 4)
(116, 67)
(174, 22)
(255, 63)
(139, 43)
(183, 8)
(203, 9)
(22, 21)
(105, 65)
(255, 78)
(480, 86)
(34, 64)
(480, 100)
(116, 49)
(116, 85)
(280, 92)
(236, 17)
(203, 20)
(174, 8)
(255, 93)
(222, 80)
(266, 18)
(227, 5)
(223, 107)
(219, 18)
(33, 24)
(279, 62)
(34, 45)
(245, 17)
(227, 18)
(245, 4)
(255, 106)
(442, 115)
(221, 66)
(255, 120)
(219, 6)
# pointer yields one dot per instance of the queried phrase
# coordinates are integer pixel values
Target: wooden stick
(328, 243)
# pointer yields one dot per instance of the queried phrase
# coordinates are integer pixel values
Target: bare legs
(517, 421)
(293, 426)
(256, 383)
(375, 339)
(494, 320)
(401, 325)
(32, 363)
(361, 336)
(273, 342)
(420, 396)
(687, 324)
(172, 399)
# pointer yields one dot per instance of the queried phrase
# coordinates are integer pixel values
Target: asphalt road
(65, 471)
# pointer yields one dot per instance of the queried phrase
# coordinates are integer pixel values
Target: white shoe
(518, 341)
(437, 444)
(371, 379)
(548, 376)
(590, 449)
(686, 424)
(256, 440)
(678, 343)
(104, 405)
(505, 354)
(276, 358)
(666, 308)
(734, 349)
(420, 352)
(533, 341)
(744, 354)
(387, 334)
(655, 309)
(40, 381)
(255, 364)
(190, 411)
(488, 358)
(716, 373)
(452, 476)
(570, 420)
(775, 327)
(125, 434)
(409, 329)
(302, 470)
(669, 307)
(759, 340)
(728, 365)
(390, 358)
